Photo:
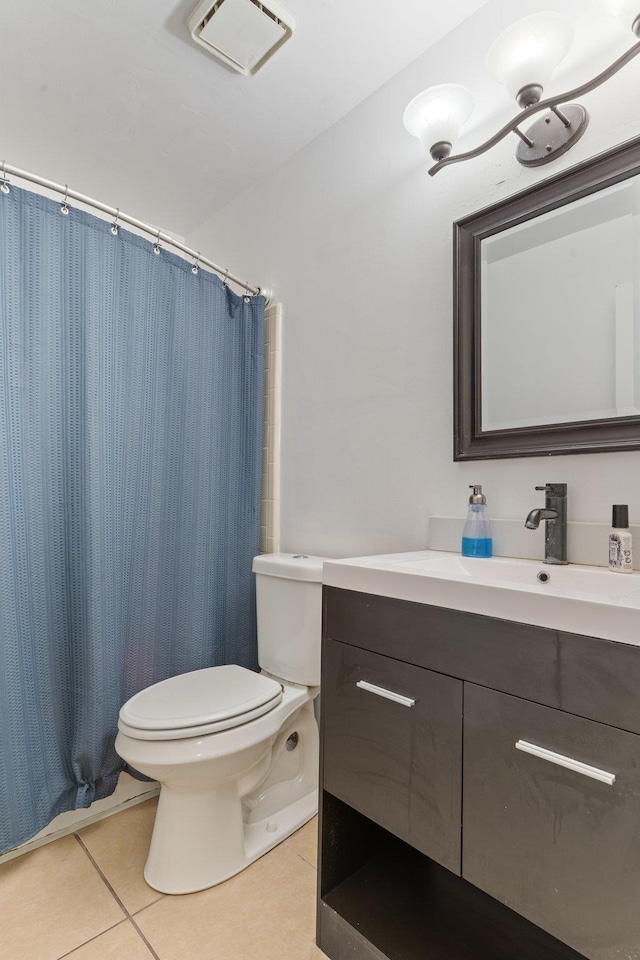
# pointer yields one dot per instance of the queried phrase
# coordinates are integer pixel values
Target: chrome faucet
(554, 514)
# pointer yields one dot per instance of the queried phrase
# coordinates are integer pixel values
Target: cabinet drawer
(392, 746)
(514, 657)
(552, 826)
(593, 678)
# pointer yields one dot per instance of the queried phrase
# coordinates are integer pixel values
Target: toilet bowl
(235, 752)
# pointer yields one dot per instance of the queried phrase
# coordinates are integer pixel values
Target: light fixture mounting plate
(551, 137)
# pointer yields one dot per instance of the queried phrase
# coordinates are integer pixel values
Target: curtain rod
(155, 232)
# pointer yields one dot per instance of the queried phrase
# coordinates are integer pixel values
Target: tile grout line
(116, 897)
(304, 859)
(91, 939)
(144, 939)
(290, 846)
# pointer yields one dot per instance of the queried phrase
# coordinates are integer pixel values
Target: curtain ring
(114, 225)
(195, 267)
(225, 276)
(156, 247)
(64, 209)
(4, 183)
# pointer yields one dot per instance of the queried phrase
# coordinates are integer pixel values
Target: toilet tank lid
(291, 566)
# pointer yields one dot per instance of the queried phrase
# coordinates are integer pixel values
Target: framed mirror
(547, 316)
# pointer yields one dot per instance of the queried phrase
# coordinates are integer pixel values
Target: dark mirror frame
(586, 436)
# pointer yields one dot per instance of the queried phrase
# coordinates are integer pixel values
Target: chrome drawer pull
(387, 694)
(576, 765)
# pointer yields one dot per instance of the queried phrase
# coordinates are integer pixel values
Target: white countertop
(577, 599)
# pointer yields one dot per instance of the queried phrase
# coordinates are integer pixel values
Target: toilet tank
(289, 603)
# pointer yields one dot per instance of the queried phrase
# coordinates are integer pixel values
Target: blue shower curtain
(130, 465)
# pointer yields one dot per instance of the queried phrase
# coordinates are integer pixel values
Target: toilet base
(216, 817)
(236, 847)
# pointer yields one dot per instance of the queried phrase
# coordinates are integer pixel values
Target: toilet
(235, 752)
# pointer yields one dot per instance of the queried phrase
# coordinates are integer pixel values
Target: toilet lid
(215, 698)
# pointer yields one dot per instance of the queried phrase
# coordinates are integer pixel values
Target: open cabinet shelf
(380, 898)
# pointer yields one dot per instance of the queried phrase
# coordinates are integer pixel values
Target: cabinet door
(392, 747)
(551, 821)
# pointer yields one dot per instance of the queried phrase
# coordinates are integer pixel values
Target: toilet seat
(198, 703)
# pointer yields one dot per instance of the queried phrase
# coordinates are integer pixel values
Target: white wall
(356, 239)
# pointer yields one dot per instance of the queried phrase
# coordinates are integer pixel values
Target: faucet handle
(554, 489)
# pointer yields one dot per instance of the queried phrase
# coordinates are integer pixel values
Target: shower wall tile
(270, 516)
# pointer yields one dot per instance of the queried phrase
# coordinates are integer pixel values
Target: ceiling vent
(242, 33)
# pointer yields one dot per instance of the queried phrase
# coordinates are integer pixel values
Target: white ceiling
(115, 99)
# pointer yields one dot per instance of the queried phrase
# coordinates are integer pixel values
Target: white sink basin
(573, 598)
(573, 580)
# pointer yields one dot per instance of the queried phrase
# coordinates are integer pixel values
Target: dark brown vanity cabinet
(552, 820)
(480, 791)
(393, 747)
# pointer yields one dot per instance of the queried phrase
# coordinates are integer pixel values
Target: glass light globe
(527, 52)
(437, 114)
(627, 11)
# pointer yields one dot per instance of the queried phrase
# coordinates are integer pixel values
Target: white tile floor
(84, 897)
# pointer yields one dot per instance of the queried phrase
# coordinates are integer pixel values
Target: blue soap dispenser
(476, 536)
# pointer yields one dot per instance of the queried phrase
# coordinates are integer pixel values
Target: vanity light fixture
(523, 59)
